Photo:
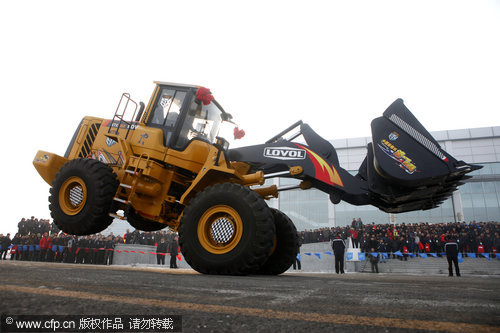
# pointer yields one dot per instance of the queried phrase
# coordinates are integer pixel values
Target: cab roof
(162, 83)
(183, 85)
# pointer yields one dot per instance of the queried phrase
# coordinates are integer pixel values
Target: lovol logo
(285, 153)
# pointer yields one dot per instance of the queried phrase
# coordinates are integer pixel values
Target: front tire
(226, 229)
(82, 195)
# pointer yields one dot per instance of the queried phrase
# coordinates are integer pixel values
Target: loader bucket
(405, 167)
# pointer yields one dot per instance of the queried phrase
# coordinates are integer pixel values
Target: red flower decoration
(204, 95)
(238, 134)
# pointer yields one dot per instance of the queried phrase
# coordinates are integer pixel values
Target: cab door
(167, 112)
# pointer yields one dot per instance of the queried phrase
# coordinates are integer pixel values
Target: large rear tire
(140, 223)
(82, 195)
(226, 229)
(285, 247)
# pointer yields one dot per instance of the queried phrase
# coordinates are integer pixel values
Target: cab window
(202, 122)
(167, 107)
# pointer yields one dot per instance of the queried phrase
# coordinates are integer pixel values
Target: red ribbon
(204, 95)
(238, 134)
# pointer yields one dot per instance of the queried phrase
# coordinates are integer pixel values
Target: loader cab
(182, 118)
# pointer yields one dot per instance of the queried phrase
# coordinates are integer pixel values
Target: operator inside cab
(168, 108)
(201, 122)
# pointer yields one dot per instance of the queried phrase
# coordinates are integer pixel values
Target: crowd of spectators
(41, 240)
(36, 226)
(473, 237)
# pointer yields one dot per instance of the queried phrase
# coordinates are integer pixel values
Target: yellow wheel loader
(164, 165)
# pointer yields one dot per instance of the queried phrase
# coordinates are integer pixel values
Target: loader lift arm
(405, 168)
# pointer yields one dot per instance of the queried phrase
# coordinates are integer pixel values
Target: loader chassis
(164, 165)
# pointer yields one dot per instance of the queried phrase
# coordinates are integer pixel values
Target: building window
(480, 196)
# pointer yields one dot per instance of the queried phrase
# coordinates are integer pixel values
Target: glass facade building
(478, 199)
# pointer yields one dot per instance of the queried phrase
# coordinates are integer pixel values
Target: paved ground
(286, 303)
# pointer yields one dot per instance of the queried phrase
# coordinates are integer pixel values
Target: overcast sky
(334, 64)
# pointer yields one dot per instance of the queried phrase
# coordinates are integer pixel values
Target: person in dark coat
(357, 224)
(372, 243)
(91, 253)
(5, 241)
(373, 256)
(404, 247)
(381, 248)
(101, 250)
(497, 242)
(161, 251)
(296, 262)
(173, 249)
(451, 249)
(81, 250)
(109, 248)
(395, 245)
(71, 249)
(338, 246)
(21, 226)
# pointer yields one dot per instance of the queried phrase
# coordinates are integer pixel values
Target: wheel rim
(73, 195)
(220, 229)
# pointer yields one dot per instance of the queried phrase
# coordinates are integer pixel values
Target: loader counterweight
(48, 164)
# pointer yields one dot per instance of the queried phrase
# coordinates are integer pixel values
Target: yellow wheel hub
(220, 229)
(72, 195)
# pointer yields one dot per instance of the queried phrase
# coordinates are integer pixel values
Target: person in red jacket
(50, 253)
(354, 237)
(480, 248)
(44, 245)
